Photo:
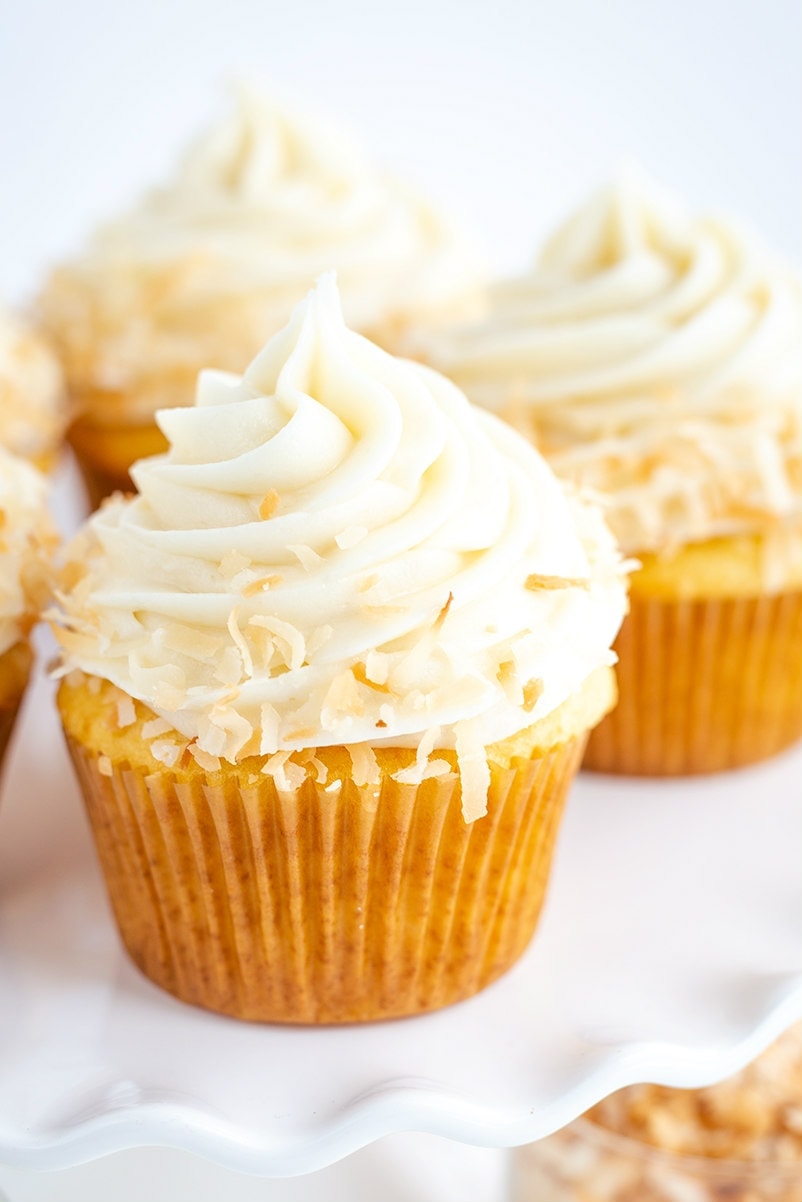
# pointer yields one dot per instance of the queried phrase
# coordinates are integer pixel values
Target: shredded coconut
(104, 766)
(474, 771)
(350, 537)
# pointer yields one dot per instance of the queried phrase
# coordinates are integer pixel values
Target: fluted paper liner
(15, 667)
(324, 905)
(704, 685)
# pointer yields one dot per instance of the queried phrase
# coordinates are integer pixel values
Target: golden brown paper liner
(106, 452)
(704, 685)
(317, 906)
(15, 667)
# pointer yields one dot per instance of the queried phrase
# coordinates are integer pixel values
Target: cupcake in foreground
(207, 268)
(27, 542)
(327, 679)
(33, 413)
(738, 1141)
(656, 358)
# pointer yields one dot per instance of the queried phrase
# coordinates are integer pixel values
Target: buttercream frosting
(27, 541)
(656, 357)
(339, 549)
(32, 411)
(208, 266)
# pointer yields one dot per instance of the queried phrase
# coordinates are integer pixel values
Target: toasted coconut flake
(533, 691)
(166, 751)
(436, 767)
(167, 697)
(310, 760)
(126, 711)
(287, 776)
(377, 667)
(343, 700)
(239, 641)
(536, 582)
(443, 614)
(365, 766)
(350, 537)
(269, 723)
(261, 585)
(285, 633)
(188, 640)
(414, 774)
(269, 504)
(154, 728)
(361, 675)
(209, 763)
(307, 558)
(229, 666)
(104, 766)
(71, 575)
(474, 771)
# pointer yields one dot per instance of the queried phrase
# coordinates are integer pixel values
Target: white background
(507, 110)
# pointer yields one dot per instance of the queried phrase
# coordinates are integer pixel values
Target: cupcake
(738, 1141)
(27, 540)
(326, 681)
(655, 357)
(32, 411)
(207, 268)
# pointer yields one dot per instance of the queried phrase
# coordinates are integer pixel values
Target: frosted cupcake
(327, 680)
(33, 414)
(656, 358)
(27, 541)
(207, 268)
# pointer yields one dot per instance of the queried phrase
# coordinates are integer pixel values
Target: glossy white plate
(671, 949)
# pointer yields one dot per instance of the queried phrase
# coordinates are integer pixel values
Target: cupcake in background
(27, 544)
(327, 680)
(206, 268)
(33, 412)
(655, 358)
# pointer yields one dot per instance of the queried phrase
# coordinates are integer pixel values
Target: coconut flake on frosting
(208, 266)
(654, 357)
(33, 415)
(27, 544)
(459, 515)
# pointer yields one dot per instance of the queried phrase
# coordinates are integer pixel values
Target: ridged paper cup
(705, 684)
(105, 452)
(15, 668)
(322, 903)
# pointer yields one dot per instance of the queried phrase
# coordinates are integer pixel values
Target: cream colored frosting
(339, 549)
(27, 541)
(206, 268)
(653, 356)
(32, 410)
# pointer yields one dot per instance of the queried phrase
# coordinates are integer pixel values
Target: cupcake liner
(704, 685)
(324, 904)
(15, 667)
(105, 453)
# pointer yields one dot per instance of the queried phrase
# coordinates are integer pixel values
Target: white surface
(400, 1168)
(671, 950)
(507, 111)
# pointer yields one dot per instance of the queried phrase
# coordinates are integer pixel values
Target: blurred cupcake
(27, 541)
(738, 1141)
(327, 680)
(656, 358)
(207, 267)
(33, 413)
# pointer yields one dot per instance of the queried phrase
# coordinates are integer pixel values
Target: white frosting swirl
(655, 357)
(27, 541)
(208, 266)
(336, 550)
(33, 415)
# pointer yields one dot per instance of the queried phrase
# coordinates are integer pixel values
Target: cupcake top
(655, 356)
(27, 541)
(207, 267)
(32, 413)
(339, 549)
